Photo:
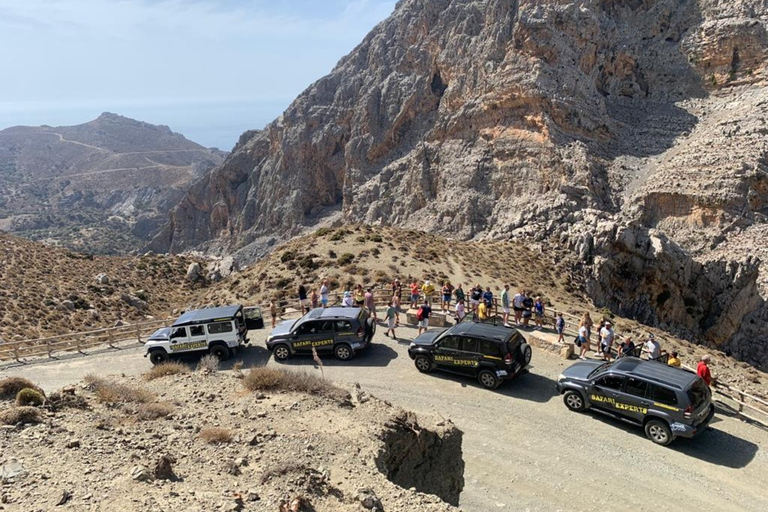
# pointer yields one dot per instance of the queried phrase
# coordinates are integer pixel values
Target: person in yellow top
(674, 360)
(427, 290)
(482, 312)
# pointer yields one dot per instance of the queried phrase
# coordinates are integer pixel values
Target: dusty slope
(281, 446)
(102, 186)
(47, 291)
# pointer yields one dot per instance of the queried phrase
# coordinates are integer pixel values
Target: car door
(633, 403)
(179, 339)
(468, 356)
(446, 352)
(306, 335)
(606, 391)
(253, 318)
(197, 337)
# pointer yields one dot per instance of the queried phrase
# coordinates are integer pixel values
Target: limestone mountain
(104, 186)
(628, 135)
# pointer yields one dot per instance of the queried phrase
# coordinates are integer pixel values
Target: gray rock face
(537, 121)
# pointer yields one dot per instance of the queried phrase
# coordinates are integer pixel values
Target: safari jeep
(217, 331)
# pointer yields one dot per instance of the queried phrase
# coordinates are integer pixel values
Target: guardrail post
(741, 401)
(16, 353)
(138, 334)
(77, 342)
(48, 347)
(110, 339)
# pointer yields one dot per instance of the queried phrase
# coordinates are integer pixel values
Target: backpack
(420, 313)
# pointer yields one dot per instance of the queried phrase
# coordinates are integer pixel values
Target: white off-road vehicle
(217, 331)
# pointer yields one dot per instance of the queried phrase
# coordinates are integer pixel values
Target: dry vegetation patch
(10, 387)
(21, 415)
(278, 379)
(216, 435)
(31, 397)
(155, 411)
(110, 392)
(166, 369)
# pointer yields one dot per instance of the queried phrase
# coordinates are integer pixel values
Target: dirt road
(523, 449)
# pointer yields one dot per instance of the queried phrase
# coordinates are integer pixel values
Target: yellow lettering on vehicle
(665, 406)
(456, 362)
(189, 346)
(311, 343)
(618, 405)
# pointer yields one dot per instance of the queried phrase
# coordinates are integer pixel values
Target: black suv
(341, 331)
(667, 402)
(491, 353)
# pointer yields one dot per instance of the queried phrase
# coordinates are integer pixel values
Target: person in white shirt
(461, 311)
(324, 294)
(606, 341)
(348, 301)
(652, 348)
(584, 340)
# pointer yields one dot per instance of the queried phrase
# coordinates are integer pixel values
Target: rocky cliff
(104, 186)
(582, 126)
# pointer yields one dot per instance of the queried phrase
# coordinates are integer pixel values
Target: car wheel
(525, 354)
(282, 352)
(158, 356)
(488, 379)
(658, 432)
(343, 352)
(370, 329)
(220, 352)
(574, 401)
(423, 364)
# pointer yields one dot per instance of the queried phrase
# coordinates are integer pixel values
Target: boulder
(193, 272)
(102, 279)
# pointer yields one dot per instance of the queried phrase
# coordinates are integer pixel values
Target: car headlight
(412, 345)
(561, 377)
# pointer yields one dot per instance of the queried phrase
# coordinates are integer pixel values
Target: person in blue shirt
(488, 298)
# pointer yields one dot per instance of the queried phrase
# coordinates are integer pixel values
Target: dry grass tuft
(277, 379)
(208, 364)
(112, 393)
(216, 435)
(166, 369)
(21, 415)
(59, 400)
(155, 411)
(280, 469)
(31, 397)
(10, 387)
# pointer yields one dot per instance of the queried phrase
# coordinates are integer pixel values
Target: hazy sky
(209, 69)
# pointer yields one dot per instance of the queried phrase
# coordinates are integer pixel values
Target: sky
(209, 69)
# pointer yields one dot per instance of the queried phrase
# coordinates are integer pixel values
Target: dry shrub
(111, 392)
(215, 435)
(29, 396)
(21, 415)
(155, 411)
(280, 469)
(166, 369)
(278, 379)
(59, 400)
(208, 364)
(10, 387)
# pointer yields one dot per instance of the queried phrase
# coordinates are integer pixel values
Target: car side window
(636, 387)
(219, 327)
(450, 343)
(308, 328)
(611, 382)
(489, 348)
(469, 345)
(663, 395)
(179, 332)
(325, 327)
(344, 326)
(197, 330)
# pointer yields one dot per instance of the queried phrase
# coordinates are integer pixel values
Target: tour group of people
(482, 304)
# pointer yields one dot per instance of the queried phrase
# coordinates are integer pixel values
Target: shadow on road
(718, 447)
(377, 355)
(529, 386)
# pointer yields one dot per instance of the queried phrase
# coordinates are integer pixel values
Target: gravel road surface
(523, 449)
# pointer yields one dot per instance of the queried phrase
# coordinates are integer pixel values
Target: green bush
(323, 232)
(346, 258)
(28, 396)
(10, 387)
(288, 256)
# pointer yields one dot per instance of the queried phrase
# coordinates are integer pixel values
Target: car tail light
(508, 358)
(688, 411)
(360, 332)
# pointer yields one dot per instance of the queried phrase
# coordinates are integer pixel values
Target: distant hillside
(49, 291)
(103, 187)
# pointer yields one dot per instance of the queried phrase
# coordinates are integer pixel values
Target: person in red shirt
(703, 369)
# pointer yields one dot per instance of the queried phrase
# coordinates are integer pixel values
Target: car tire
(574, 401)
(488, 379)
(343, 352)
(658, 431)
(423, 364)
(159, 356)
(524, 354)
(281, 352)
(220, 352)
(370, 329)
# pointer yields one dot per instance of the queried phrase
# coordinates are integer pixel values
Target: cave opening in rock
(438, 86)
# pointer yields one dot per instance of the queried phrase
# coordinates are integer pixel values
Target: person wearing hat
(703, 369)
(606, 341)
(348, 300)
(651, 348)
(427, 290)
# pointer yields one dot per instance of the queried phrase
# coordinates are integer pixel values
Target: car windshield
(162, 333)
(600, 369)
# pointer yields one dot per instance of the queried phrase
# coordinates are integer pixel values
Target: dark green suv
(667, 402)
(341, 331)
(490, 353)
